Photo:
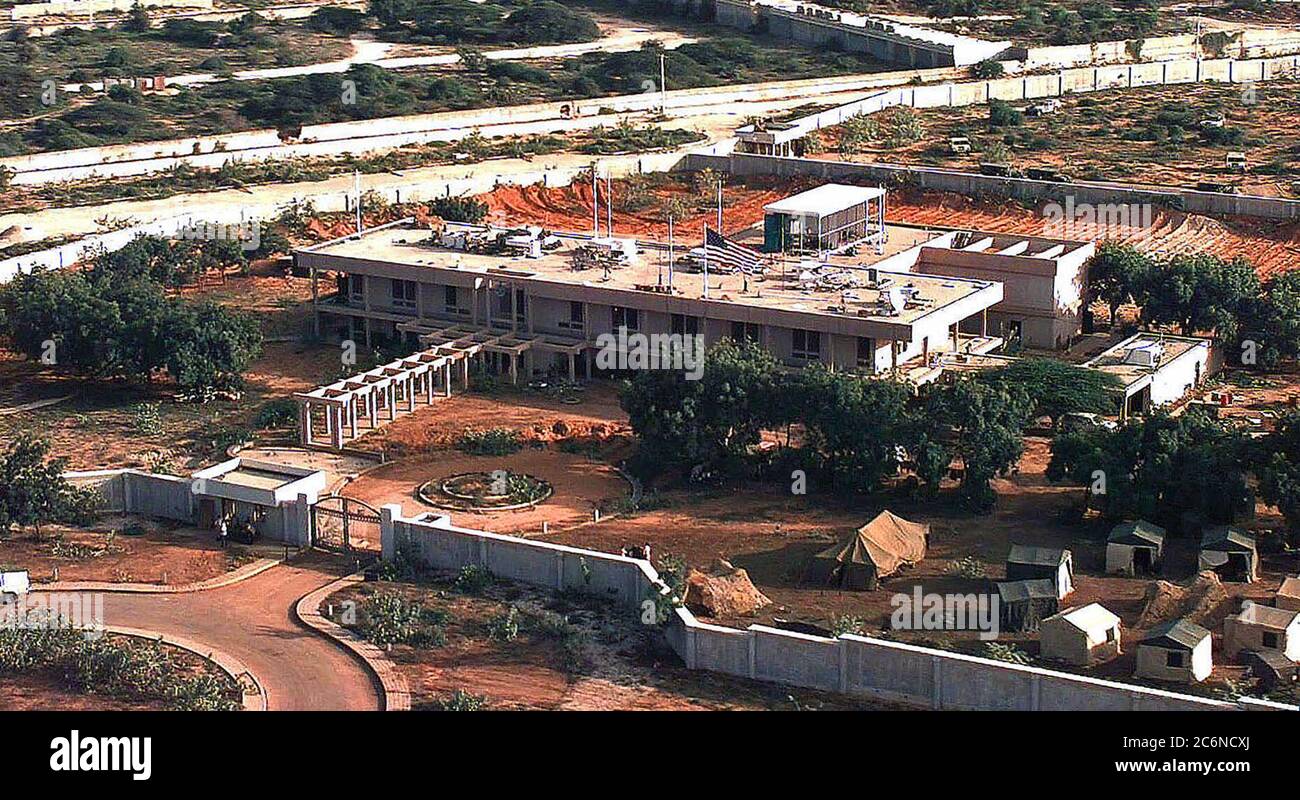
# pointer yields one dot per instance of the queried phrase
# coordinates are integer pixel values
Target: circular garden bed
(498, 490)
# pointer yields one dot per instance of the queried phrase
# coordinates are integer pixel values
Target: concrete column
(304, 422)
(514, 368)
(392, 402)
(388, 529)
(329, 421)
(573, 367)
(428, 386)
(410, 394)
(336, 415)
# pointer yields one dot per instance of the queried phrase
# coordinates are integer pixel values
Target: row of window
(805, 345)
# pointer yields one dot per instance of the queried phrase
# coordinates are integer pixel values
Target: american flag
(722, 251)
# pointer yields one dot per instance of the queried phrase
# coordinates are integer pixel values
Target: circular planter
(472, 491)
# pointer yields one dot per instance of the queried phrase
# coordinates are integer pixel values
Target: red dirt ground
(1271, 247)
(537, 418)
(164, 555)
(569, 207)
(580, 487)
(621, 667)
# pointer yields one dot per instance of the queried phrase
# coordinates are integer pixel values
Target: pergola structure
(371, 399)
(379, 395)
(472, 341)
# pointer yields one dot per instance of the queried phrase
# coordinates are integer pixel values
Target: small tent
(1027, 563)
(1178, 651)
(1022, 605)
(872, 552)
(1134, 548)
(1230, 553)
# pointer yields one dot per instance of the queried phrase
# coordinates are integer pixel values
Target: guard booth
(274, 498)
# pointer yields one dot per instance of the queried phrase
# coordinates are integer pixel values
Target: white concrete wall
(848, 664)
(78, 7)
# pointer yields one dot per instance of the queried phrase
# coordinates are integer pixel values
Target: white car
(1082, 421)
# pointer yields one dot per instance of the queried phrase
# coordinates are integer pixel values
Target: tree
(981, 424)
(547, 22)
(1158, 468)
(210, 347)
(1057, 387)
(1201, 293)
(832, 407)
(1272, 320)
(1277, 465)
(33, 489)
(987, 69)
(338, 20)
(137, 19)
(1002, 114)
(1118, 274)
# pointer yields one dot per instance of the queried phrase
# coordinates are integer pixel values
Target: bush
(388, 618)
(494, 442)
(279, 413)
(459, 209)
(473, 579)
(505, 627)
(1002, 114)
(462, 700)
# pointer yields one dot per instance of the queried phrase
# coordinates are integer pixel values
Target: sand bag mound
(1193, 600)
(723, 591)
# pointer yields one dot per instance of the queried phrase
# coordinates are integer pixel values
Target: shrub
(462, 700)
(278, 413)
(459, 209)
(473, 579)
(505, 627)
(1003, 115)
(494, 442)
(844, 623)
(388, 618)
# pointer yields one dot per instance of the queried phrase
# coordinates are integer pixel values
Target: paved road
(253, 621)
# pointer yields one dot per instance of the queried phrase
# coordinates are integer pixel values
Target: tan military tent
(874, 551)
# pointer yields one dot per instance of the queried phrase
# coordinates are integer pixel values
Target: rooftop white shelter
(260, 483)
(830, 218)
(825, 199)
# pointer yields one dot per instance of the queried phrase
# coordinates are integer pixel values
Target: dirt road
(253, 621)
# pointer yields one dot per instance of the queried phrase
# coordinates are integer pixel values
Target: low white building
(1081, 635)
(1262, 628)
(1156, 369)
(1178, 651)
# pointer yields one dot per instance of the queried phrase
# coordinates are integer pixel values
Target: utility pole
(670, 253)
(595, 205)
(663, 87)
(719, 205)
(609, 205)
(356, 181)
(706, 261)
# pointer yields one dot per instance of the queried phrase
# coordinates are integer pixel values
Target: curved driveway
(253, 620)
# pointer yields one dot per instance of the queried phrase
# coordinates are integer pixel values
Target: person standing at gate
(223, 530)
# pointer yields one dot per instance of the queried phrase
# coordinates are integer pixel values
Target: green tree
(137, 19)
(1201, 293)
(33, 490)
(1118, 274)
(1273, 320)
(1277, 465)
(1057, 387)
(981, 424)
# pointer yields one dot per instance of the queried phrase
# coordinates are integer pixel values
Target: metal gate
(344, 525)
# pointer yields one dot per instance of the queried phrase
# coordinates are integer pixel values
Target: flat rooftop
(828, 198)
(1113, 359)
(840, 287)
(258, 478)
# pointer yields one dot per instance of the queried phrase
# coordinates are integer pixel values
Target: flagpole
(595, 204)
(720, 207)
(609, 205)
(356, 181)
(670, 253)
(706, 261)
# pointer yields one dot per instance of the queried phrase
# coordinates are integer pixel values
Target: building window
(450, 300)
(1271, 641)
(628, 318)
(404, 294)
(1110, 634)
(807, 345)
(577, 317)
(1175, 659)
(867, 353)
(682, 325)
(521, 305)
(357, 288)
(746, 332)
